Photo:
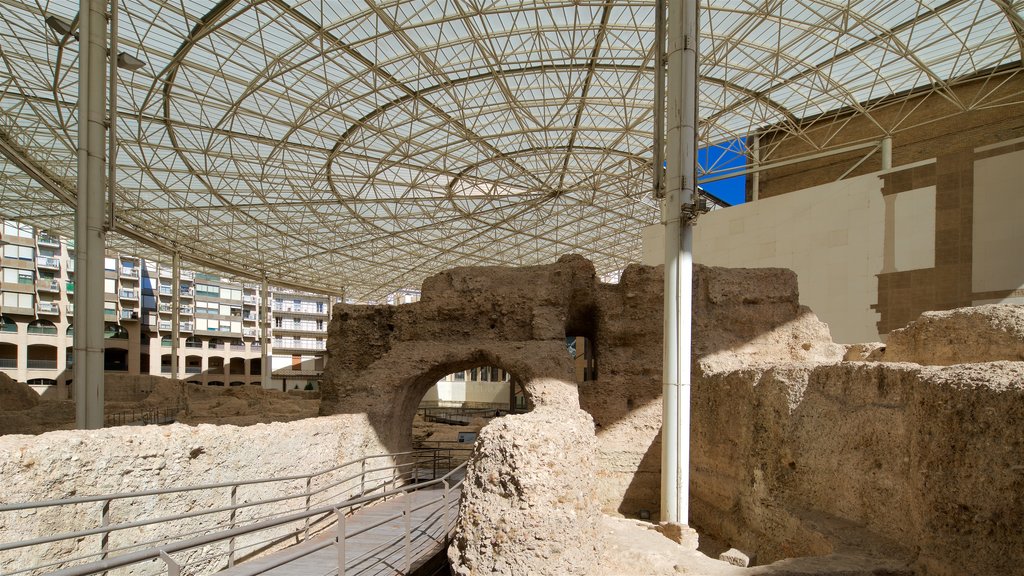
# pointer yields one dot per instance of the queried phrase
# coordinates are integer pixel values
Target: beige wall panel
(998, 223)
(914, 229)
(830, 235)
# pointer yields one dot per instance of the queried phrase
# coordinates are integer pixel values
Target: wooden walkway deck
(378, 551)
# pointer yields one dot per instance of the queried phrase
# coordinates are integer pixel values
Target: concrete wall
(472, 391)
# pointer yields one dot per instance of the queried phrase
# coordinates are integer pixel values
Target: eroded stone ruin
(800, 446)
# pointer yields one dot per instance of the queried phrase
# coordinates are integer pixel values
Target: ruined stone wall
(917, 460)
(65, 464)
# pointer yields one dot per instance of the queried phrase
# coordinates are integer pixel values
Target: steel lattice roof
(368, 144)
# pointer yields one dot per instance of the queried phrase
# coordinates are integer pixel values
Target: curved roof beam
(1016, 22)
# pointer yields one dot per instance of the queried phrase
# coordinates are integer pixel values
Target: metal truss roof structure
(367, 144)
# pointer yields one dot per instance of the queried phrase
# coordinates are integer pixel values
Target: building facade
(220, 327)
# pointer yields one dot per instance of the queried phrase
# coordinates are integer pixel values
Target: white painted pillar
(264, 336)
(679, 210)
(755, 176)
(175, 314)
(887, 153)
(90, 236)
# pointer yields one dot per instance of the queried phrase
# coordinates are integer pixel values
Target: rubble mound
(987, 333)
(529, 503)
(16, 395)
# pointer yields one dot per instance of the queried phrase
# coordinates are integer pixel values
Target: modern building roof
(368, 144)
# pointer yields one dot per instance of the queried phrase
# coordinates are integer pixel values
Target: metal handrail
(163, 552)
(399, 473)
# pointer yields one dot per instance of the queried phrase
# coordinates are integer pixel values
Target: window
(15, 276)
(44, 327)
(319, 324)
(110, 285)
(19, 252)
(17, 230)
(110, 264)
(15, 300)
(278, 322)
(208, 290)
(7, 325)
(149, 302)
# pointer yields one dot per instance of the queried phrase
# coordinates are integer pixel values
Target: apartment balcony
(47, 286)
(164, 308)
(287, 344)
(186, 292)
(70, 287)
(193, 369)
(250, 317)
(70, 309)
(127, 272)
(188, 276)
(300, 329)
(164, 325)
(186, 310)
(48, 308)
(249, 333)
(185, 327)
(239, 346)
(251, 300)
(48, 263)
(165, 273)
(42, 364)
(8, 362)
(47, 240)
(129, 315)
(129, 294)
(166, 290)
(71, 265)
(291, 308)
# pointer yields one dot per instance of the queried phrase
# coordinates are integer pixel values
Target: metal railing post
(173, 568)
(309, 482)
(341, 541)
(104, 522)
(362, 479)
(234, 511)
(444, 513)
(408, 532)
(433, 459)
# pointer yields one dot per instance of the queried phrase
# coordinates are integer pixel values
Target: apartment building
(219, 320)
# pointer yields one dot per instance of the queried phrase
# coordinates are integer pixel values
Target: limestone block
(736, 558)
(978, 334)
(529, 502)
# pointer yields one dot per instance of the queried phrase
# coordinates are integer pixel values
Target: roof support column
(755, 164)
(264, 339)
(886, 145)
(90, 235)
(175, 313)
(679, 211)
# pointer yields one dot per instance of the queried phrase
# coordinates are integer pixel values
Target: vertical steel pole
(681, 193)
(887, 153)
(90, 236)
(755, 176)
(112, 138)
(659, 99)
(175, 312)
(264, 339)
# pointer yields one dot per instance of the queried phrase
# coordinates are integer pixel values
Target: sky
(723, 157)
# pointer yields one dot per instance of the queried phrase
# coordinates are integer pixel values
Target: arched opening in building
(42, 328)
(165, 363)
(69, 356)
(255, 366)
(237, 383)
(215, 344)
(8, 355)
(42, 357)
(112, 331)
(115, 359)
(193, 342)
(580, 340)
(216, 365)
(193, 364)
(42, 382)
(237, 366)
(215, 383)
(70, 330)
(458, 405)
(7, 324)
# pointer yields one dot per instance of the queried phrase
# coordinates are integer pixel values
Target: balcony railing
(299, 344)
(164, 308)
(8, 362)
(71, 309)
(249, 332)
(70, 287)
(187, 310)
(71, 265)
(48, 308)
(187, 291)
(47, 285)
(47, 262)
(193, 344)
(163, 325)
(303, 308)
(166, 290)
(238, 346)
(250, 317)
(129, 315)
(47, 240)
(188, 275)
(129, 294)
(185, 327)
(127, 272)
(193, 369)
(249, 300)
(42, 364)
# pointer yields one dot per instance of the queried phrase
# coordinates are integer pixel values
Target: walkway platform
(376, 542)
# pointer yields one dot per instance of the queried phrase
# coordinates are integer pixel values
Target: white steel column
(679, 211)
(175, 312)
(755, 163)
(90, 236)
(264, 339)
(887, 153)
